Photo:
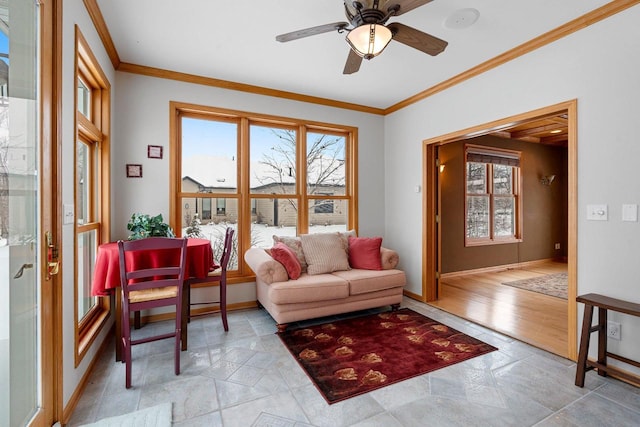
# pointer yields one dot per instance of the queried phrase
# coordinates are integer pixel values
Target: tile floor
(246, 377)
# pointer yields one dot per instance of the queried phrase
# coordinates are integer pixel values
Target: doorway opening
(534, 126)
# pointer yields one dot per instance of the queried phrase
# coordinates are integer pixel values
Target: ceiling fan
(367, 34)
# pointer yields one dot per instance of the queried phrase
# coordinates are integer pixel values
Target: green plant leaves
(143, 226)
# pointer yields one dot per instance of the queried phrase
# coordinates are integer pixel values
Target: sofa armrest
(267, 269)
(389, 258)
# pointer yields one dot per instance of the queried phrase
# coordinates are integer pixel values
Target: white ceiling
(235, 40)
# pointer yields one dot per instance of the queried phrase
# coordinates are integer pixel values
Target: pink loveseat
(326, 294)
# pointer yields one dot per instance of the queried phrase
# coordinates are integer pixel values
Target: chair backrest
(228, 248)
(154, 262)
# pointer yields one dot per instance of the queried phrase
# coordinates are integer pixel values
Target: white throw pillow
(325, 253)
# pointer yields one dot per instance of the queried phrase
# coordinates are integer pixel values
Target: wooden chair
(217, 275)
(151, 281)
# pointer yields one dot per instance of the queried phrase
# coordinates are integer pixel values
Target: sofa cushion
(344, 235)
(389, 258)
(285, 256)
(309, 288)
(324, 252)
(364, 281)
(295, 244)
(364, 253)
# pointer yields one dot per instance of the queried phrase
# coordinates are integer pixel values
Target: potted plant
(143, 225)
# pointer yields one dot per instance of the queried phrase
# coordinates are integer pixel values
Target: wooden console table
(604, 304)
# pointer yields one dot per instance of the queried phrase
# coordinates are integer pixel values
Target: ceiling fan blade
(353, 63)
(294, 35)
(417, 39)
(407, 5)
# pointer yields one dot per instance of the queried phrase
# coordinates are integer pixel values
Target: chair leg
(127, 361)
(223, 304)
(126, 349)
(178, 338)
(136, 320)
(186, 309)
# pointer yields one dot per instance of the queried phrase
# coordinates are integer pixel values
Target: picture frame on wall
(134, 171)
(154, 151)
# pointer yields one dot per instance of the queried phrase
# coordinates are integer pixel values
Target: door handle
(52, 265)
(21, 271)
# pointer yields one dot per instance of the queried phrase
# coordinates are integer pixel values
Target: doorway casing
(430, 205)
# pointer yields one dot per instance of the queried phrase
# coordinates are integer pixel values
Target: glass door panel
(20, 337)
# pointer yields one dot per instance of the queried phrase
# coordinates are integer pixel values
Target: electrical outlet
(613, 330)
(557, 246)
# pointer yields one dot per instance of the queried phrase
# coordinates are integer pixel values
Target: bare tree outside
(325, 163)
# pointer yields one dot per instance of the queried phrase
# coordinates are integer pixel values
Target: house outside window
(493, 202)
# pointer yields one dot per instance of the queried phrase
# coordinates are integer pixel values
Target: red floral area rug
(349, 357)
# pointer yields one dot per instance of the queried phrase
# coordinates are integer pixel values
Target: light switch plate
(597, 212)
(630, 213)
(67, 213)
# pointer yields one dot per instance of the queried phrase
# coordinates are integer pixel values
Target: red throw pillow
(364, 253)
(285, 256)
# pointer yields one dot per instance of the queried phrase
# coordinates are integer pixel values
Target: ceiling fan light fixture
(369, 40)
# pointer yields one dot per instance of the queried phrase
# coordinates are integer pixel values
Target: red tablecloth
(107, 269)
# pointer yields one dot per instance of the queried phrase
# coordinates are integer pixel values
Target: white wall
(74, 13)
(598, 66)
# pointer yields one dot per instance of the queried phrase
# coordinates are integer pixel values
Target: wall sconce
(547, 180)
(441, 168)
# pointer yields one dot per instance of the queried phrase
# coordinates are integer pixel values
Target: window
(268, 175)
(91, 184)
(221, 206)
(206, 208)
(492, 196)
(323, 206)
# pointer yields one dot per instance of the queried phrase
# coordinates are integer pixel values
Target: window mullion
(491, 200)
(244, 190)
(301, 178)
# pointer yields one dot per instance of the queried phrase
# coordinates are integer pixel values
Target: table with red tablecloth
(106, 277)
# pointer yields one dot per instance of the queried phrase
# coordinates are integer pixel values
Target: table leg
(602, 339)
(581, 367)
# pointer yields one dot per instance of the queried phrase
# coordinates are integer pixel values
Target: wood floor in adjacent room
(534, 318)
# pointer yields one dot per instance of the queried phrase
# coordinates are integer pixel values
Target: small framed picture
(134, 171)
(154, 151)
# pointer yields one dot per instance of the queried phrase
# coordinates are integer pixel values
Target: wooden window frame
(93, 131)
(242, 194)
(516, 194)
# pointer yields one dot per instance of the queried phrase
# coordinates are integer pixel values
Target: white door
(20, 341)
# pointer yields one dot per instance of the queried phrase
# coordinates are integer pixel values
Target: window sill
(488, 242)
(90, 334)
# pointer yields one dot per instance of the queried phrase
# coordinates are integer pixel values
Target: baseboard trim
(411, 295)
(497, 268)
(168, 316)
